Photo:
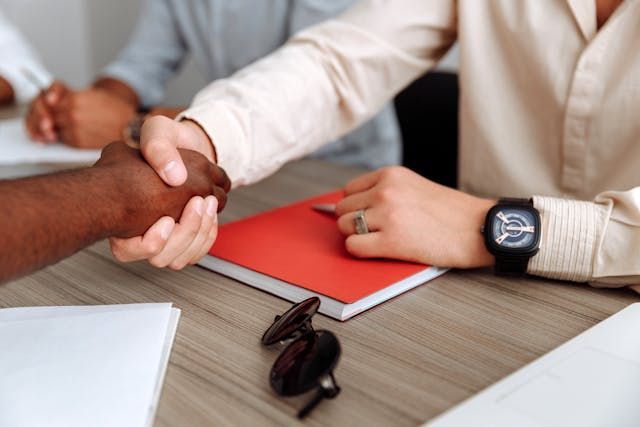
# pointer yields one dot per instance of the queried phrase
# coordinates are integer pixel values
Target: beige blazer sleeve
(323, 83)
(596, 242)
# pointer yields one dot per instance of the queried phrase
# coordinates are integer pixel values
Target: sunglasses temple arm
(312, 404)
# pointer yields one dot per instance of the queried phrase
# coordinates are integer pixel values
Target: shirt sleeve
(154, 53)
(16, 56)
(594, 242)
(320, 85)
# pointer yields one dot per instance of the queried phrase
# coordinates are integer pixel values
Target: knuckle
(177, 265)
(384, 194)
(393, 173)
(152, 247)
(393, 217)
(118, 253)
(157, 262)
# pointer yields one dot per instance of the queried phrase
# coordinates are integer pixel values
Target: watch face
(513, 229)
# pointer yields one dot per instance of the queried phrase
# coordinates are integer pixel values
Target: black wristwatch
(512, 234)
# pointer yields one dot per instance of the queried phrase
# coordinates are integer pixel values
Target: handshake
(169, 192)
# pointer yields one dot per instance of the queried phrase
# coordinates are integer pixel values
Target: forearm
(323, 83)
(119, 89)
(47, 218)
(6, 92)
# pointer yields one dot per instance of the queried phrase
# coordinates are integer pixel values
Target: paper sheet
(17, 148)
(81, 366)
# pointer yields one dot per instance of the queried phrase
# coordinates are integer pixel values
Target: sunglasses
(309, 358)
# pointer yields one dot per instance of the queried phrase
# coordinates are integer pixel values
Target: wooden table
(403, 362)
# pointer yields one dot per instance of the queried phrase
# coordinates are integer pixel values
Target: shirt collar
(584, 12)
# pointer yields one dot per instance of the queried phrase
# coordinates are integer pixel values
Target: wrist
(108, 202)
(479, 255)
(204, 143)
(119, 89)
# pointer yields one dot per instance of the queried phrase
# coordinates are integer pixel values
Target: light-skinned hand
(413, 219)
(190, 238)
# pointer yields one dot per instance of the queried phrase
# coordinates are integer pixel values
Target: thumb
(159, 142)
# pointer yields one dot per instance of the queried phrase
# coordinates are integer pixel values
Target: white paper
(83, 366)
(17, 148)
(593, 380)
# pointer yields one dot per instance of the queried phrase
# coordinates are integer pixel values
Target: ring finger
(372, 217)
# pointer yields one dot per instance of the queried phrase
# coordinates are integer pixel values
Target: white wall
(77, 38)
(58, 31)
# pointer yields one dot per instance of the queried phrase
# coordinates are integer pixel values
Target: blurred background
(77, 38)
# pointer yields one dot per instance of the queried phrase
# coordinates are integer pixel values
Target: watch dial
(514, 228)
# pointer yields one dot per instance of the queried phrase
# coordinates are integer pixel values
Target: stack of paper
(84, 366)
(17, 148)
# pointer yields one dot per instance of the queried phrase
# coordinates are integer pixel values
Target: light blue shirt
(223, 36)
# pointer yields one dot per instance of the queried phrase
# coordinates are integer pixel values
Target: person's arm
(320, 85)
(6, 92)
(46, 218)
(118, 89)
(596, 242)
(323, 83)
(154, 53)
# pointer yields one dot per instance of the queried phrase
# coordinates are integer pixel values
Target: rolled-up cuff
(570, 233)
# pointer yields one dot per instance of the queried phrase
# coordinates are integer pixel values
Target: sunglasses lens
(291, 321)
(304, 362)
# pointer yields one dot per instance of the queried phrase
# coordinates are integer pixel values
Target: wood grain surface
(403, 362)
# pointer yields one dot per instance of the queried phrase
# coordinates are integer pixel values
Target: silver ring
(360, 223)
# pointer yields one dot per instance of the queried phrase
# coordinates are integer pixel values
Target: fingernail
(199, 206)
(165, 230)
(172, 172)
(51, 97)
(212, 206)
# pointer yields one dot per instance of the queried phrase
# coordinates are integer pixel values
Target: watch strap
(512, 266)
(515, 201)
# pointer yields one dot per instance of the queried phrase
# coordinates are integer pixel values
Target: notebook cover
(304, 247)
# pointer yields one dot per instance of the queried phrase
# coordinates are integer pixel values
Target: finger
(158, 143)
(184, 233)
(220, 177)
(208, 244)
(368, 245)
(40, 122)
(55, 93)
(221, 197)
(32, 121)
(362, 183)
(372, 217)
(355, 202)
(195, 249)
(143, 247)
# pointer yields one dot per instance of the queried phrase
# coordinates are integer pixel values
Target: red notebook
(296, 252)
